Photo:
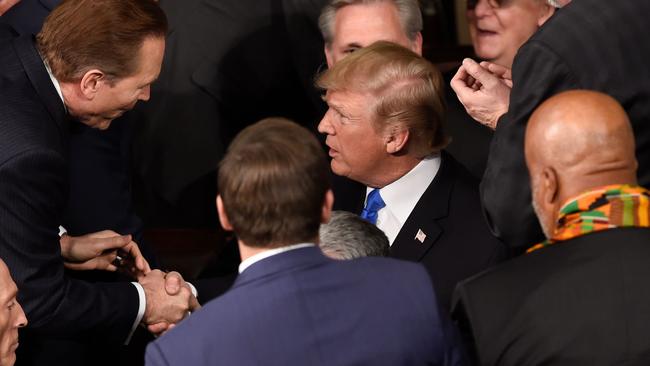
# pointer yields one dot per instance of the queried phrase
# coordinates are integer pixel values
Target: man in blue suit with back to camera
(291, 305)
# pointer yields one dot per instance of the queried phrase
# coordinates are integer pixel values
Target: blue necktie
(374, 203)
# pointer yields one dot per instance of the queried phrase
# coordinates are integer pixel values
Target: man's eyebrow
(8, 295)
(353, 45)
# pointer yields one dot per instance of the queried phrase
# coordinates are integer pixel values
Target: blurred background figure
(499, 27)
(348, 236)
(12, 317)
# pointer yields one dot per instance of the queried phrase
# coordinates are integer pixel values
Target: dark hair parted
(273, 182)
(80, 35)
(406, 88)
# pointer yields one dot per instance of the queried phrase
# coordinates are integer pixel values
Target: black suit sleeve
(32, 194)
(538, 73)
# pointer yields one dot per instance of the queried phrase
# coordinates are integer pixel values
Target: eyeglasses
(494, 4)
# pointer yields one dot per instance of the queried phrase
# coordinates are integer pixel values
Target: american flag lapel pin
(420, 236)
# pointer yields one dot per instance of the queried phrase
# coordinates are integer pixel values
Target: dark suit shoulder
(569, 285)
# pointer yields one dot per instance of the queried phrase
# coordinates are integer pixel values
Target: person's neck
(587, 183)
(391, 170)
(246, 251)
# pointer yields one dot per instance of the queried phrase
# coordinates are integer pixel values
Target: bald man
(582, 296)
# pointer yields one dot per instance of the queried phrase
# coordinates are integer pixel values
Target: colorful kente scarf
(601, 209)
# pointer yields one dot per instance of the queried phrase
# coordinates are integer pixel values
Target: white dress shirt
(402, 195)
(269, 253)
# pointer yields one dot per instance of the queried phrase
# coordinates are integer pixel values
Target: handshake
(169, 298)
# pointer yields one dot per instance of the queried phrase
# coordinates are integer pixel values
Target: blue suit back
(301, 308)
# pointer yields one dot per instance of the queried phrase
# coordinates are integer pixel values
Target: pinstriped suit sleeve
(32, 195)
(538, 73)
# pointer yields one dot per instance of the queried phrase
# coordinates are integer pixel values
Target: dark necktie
(374, 203)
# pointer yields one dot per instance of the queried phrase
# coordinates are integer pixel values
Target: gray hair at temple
(348, 236)
(409, 13)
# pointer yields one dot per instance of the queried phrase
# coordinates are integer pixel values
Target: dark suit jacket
(301, 308)
(470, 140)
(33, 166)
(27, 16)
(228, 64)
(100, 160)
(458, 243)
(589, 44)
(581, 302)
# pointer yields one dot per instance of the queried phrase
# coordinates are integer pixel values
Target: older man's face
(356, 148)
(111, 101)
(360, 25)
(498, 31)
(12, 317)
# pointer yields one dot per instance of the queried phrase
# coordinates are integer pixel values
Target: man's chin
(104, 125)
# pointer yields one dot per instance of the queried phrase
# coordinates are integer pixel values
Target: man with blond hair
(384, 130)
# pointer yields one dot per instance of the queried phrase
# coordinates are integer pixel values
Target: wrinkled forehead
(8, 288)
(360, 25)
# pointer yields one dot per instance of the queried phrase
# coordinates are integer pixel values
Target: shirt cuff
(141, 308)
(62, 231)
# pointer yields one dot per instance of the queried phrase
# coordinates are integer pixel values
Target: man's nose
(325, 126)
(22, 319)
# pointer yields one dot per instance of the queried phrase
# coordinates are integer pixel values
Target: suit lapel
(421, 230)
(41, 82)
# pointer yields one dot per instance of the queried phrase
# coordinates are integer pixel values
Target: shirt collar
(402, 195)
(269, 253)
(57, 86)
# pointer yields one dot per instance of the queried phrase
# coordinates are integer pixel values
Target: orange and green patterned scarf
(601, 209)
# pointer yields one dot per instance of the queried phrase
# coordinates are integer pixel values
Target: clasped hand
(484, 90)
(169, 300)
(98, 251)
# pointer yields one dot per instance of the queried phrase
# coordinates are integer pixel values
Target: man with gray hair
(347, 25)
(348, 236)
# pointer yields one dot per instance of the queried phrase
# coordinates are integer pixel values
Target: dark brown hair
(80, 35)
(273, 182)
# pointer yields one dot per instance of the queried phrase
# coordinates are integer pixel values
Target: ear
(90, 83)
(551, 188)
(416, 45)
(396, 140)
(545, 13)
(223, 218)
(328, 55)
(326, 212)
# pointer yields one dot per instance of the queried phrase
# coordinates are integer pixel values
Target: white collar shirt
(57, 86)
(269, 253)
(402, 195)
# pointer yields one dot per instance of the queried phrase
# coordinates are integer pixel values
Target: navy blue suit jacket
(301, 308)
(33, 193)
